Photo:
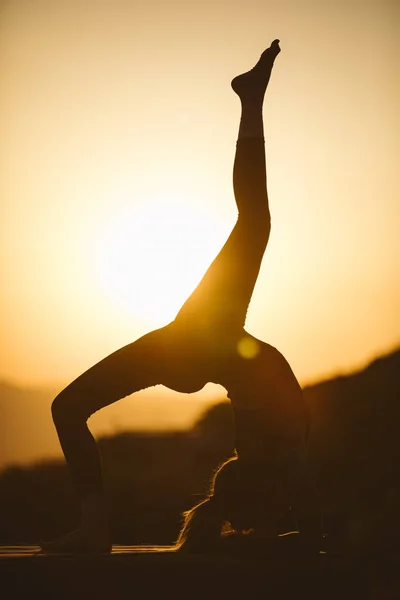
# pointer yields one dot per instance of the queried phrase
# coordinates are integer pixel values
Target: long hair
(238, 501)
(201, 528)
(203, 523)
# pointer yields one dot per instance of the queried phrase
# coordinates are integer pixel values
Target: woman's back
(271, 414)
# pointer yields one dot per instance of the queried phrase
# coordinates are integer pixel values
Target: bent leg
(134, 367)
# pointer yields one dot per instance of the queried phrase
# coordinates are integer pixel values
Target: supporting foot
(251, 86)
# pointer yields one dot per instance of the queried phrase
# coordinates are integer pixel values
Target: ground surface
(160, 572)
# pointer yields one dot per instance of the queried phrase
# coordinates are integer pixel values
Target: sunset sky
(117, 136)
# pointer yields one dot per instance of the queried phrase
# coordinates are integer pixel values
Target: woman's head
(244, 495)
(251, 494)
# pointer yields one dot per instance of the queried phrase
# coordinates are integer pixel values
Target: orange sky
(117, 135)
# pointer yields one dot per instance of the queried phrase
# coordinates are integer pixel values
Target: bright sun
(150, 258)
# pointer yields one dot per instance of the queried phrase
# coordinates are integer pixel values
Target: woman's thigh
(224, 293)
(134, 367)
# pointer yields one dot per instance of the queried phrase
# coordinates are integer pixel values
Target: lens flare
(248, 348)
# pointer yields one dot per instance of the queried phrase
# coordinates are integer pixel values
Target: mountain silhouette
(354, 435)
(353, 447)
(28, 434)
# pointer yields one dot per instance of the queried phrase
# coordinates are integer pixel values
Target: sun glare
(150, 258)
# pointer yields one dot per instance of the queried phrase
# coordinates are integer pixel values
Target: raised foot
(253, 84)
(78, 541)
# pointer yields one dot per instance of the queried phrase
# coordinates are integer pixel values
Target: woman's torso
(271, 415)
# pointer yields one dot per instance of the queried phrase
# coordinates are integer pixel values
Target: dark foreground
(160, 572)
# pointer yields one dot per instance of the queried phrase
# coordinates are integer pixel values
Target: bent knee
(69, 406)
(259, 224)
(264, 225)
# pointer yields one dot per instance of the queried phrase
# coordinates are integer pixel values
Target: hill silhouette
(151, 478)
(354, 442)
(20, 409)
(28, 433)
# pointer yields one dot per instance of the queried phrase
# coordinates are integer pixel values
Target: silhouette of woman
(206, 342)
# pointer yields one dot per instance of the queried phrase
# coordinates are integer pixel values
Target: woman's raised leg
(224, 293)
